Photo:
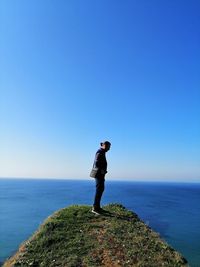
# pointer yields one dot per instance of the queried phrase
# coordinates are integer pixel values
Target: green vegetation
(74, 237)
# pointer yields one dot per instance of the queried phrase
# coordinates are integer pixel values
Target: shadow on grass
(117, 216)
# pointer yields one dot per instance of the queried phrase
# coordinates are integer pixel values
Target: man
(100, 167)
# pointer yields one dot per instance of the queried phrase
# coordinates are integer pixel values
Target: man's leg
(99, 191)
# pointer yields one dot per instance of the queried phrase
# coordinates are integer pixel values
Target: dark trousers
(100, 185)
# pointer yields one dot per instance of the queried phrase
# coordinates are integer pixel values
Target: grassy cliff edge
(74, 236)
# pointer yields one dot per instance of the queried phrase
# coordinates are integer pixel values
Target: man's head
(105, 145)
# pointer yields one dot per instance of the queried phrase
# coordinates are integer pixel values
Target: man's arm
(99, 162)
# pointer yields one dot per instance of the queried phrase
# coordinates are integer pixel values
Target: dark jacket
(100, 161)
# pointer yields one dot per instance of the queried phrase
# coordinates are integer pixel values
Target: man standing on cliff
(98, 172)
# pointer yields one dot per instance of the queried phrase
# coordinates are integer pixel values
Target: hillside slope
(74, 236)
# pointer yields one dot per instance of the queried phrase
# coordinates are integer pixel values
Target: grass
(74, 237)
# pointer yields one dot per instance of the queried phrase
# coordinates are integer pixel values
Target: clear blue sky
(74, 73)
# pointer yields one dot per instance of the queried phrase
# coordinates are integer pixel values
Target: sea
(171, 209)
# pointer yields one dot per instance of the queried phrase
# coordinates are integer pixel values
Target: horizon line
(107, 180)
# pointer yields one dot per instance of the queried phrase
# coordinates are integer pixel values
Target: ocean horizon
(170, 208)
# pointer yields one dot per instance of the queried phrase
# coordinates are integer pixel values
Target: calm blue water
(172, 209)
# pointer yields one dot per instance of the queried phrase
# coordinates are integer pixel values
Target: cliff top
(74, 236)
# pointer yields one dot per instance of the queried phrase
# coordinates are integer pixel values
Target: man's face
(106, 147)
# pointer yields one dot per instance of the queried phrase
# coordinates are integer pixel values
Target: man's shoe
(95, 211)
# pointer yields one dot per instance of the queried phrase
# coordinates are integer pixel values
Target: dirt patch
(107, 254)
